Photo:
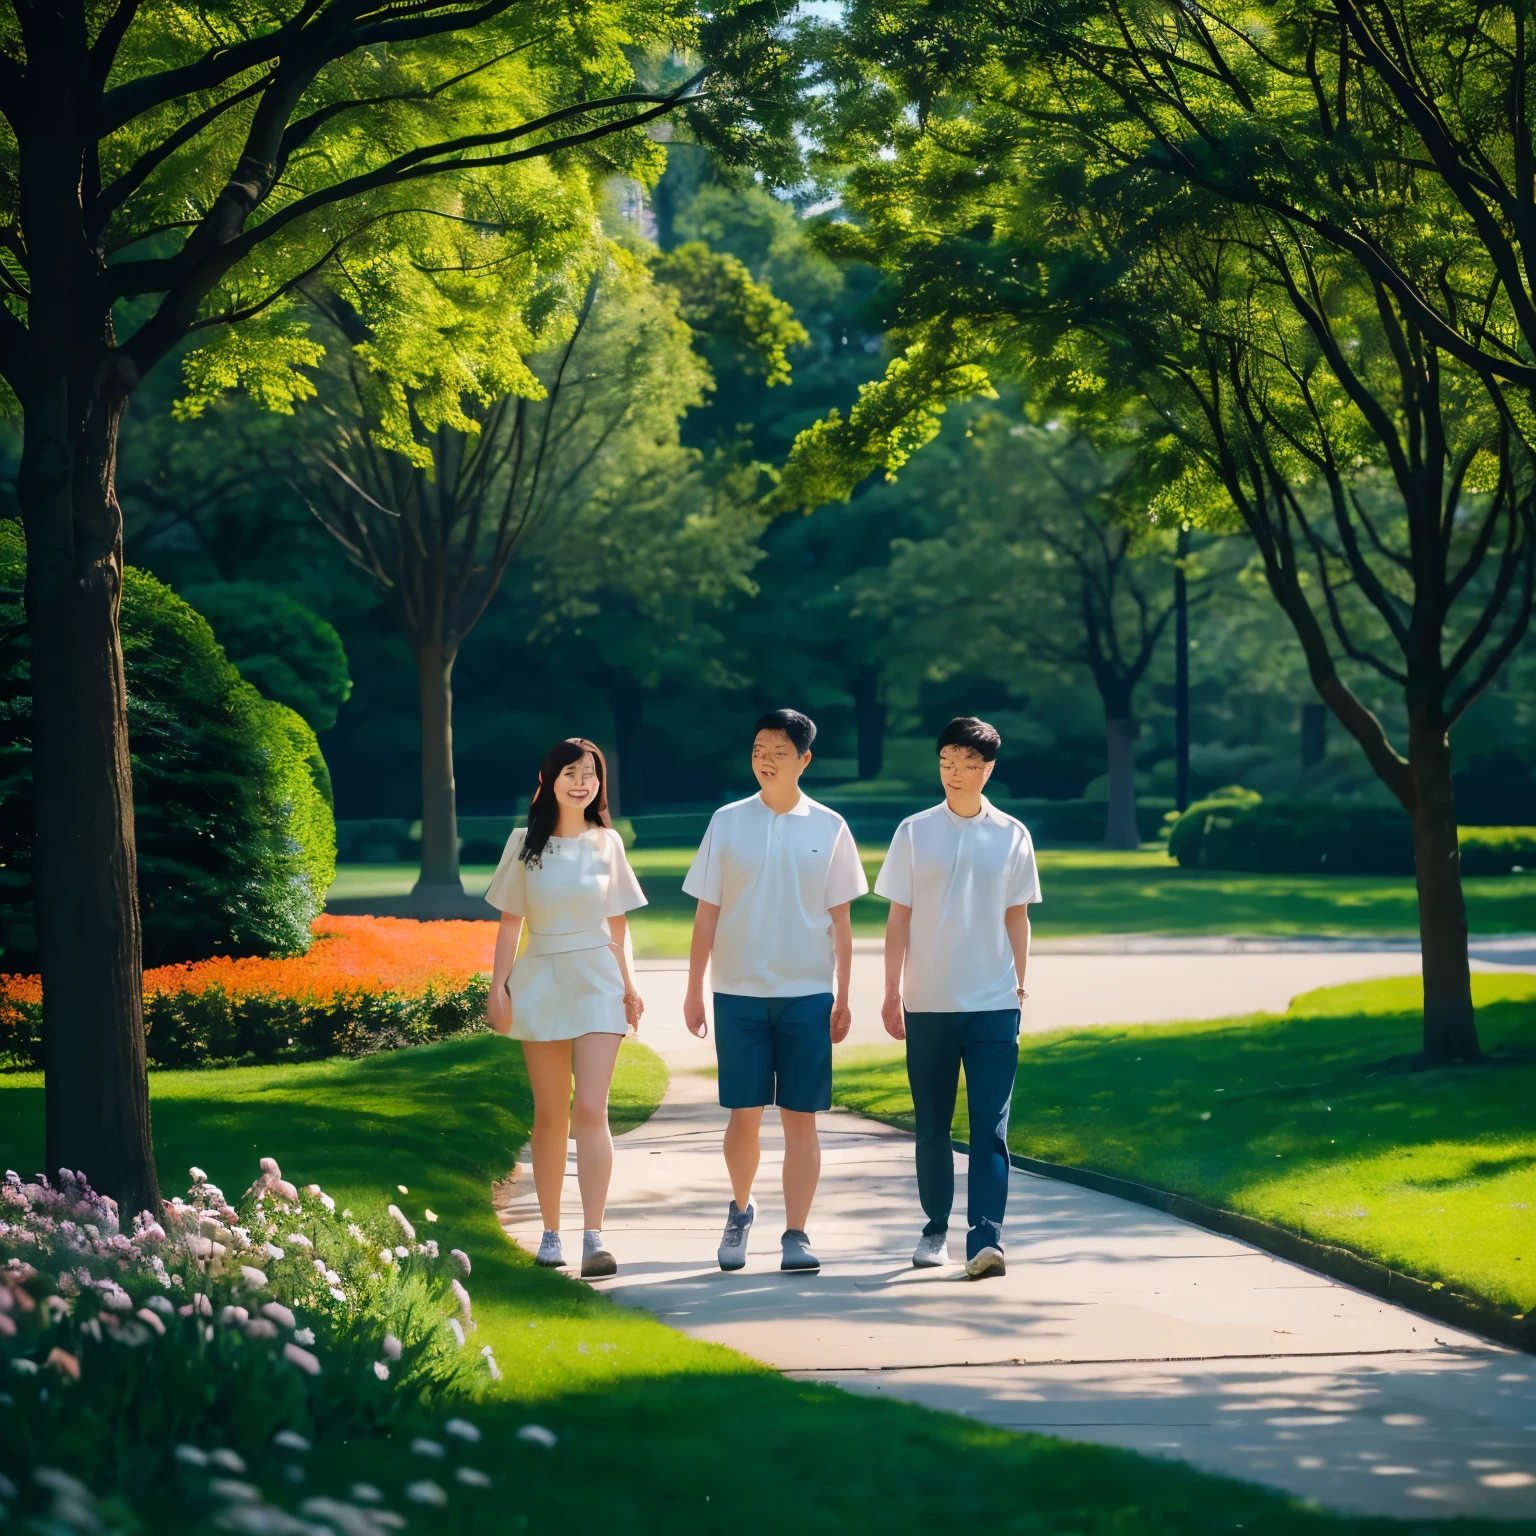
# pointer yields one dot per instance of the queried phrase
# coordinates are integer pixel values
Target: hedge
(366, 984)
(1240, 832)
(233, 821)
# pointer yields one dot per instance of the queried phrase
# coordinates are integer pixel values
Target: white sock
(591, 1240)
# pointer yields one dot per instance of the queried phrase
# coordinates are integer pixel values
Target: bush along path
(594, 1412)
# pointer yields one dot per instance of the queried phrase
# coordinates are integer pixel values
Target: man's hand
(892, 1017)
(842, 1022)
(498, 1011)
(693, 1015)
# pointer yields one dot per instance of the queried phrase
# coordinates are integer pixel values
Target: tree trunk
(1450, 1027)
(869, 721)
(85, 882)
(1120, 829)
(626, 786)
(1314, 734)
(1181, 677)
(438, 892)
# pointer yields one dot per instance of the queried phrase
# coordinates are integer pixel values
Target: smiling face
(775, 761)
(963, 770)
(576, 784)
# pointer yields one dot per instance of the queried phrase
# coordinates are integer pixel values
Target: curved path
(1114, 1323)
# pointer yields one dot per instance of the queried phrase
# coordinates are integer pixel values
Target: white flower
(365, 1493)
(431, 1215)
(162, 1305)
(402, 1253)
(234, 1492)
(462, 1257)
(455, 1327)
(229, 1460)
(290, 1440)
(328, 1203)
(463, 1430)
(198, 1176)
(386, 1255)
(381, 1370)
(492, 1367)
(253, 1276)
(426, 1492)
(229, 1315)
(391, 1347)
(403, 1190)
(191, 1455)
(272, 1251)
(402, 1223)
(421, 1446)
(536, 1434)
(298, 1240)
(301, 1358)
(305, 1336)
(338, 1293)
(472, 1477)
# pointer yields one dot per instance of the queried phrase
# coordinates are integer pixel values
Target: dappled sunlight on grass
(1312, 1120)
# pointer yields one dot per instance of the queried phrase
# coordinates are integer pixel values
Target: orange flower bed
(350, 954)
(367, 983)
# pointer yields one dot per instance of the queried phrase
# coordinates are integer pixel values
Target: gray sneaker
(797, 1252)
(986, 1263)
(550, 1254)
(932, 1251)
(733, 1242)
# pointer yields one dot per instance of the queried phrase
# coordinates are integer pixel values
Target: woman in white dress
(571, 998)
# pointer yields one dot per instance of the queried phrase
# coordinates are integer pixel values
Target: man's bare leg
(743, 1151)
(802, 1166)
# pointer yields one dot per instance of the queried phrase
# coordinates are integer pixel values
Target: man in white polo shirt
(773, 878)
(960, 879)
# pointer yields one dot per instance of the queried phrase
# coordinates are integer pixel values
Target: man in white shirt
(774, 878)
(960, 879)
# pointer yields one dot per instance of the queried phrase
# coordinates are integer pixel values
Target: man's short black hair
(800, 729)
(975, 735)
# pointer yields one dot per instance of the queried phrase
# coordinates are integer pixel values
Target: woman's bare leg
(549, 1073)
(593, 1057)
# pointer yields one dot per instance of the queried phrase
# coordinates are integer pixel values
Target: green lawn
(1304, 1120)
(1087, 891)
(656, 1433)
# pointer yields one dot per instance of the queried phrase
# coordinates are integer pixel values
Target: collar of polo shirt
(970, 821)
(801, 807)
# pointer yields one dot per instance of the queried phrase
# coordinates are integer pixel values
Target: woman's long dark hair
(544, 809)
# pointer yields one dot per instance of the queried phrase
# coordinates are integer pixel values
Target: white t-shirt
(775, 879)
(578, 884)
(959, 875)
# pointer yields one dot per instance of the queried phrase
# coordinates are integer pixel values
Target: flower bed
(367, 984)
(177, 1376)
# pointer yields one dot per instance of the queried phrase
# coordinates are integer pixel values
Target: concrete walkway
(1114, 1323)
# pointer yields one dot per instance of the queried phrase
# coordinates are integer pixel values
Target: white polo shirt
(775, 879)
(959, 875)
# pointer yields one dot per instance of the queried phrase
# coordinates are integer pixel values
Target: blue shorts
(774, 1050)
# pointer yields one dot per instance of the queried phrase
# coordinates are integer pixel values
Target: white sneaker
(932, 1251)
(550, 1255)
(596, 1261)
(986, 1263)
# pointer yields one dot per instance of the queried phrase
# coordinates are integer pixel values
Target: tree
(437, 518)
(174, 171)
(1062, 234)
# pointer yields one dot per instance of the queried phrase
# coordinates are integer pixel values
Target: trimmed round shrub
(236, 837)
(286, 649)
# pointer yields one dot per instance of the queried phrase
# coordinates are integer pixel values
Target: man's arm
(498, 1006)
(842, 955)
(1016, 921)
(705, 920)
(898, 938)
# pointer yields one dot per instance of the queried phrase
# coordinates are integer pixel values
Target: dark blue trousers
(987, 1045)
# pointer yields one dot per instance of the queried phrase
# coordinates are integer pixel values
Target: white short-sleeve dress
(567, 981)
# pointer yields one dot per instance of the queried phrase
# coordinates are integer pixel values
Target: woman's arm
(634, 1004)
(498, 1006)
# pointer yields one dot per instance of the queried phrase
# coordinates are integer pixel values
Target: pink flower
(64, 1363)
(381, 1370)
(152, 1319)
(391, 1347)
(462, 1257)
(405, 1225)
(462, 1297)
(278, 1313)
(259, 1328)
(301, 1358)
